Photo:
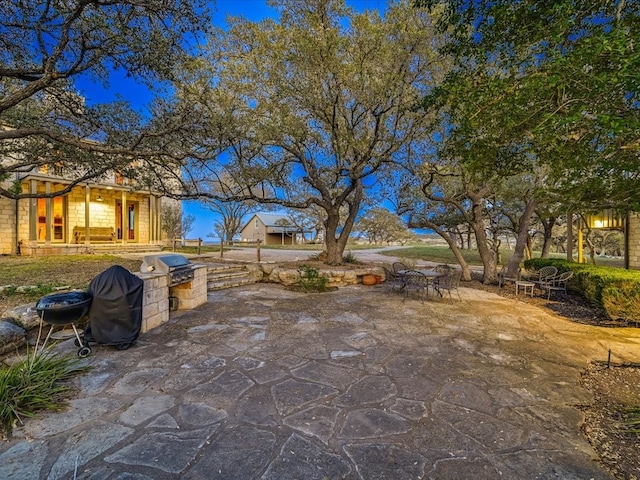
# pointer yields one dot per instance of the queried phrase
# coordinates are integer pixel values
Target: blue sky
(139, 95)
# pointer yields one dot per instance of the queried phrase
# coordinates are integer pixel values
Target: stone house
(109, 212)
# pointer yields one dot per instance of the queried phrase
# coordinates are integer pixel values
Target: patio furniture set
(441, 278)
(547, 279)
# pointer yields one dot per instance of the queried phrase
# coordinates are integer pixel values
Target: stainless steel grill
(177, 267)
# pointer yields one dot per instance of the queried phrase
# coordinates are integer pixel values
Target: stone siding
(192, 294)
(155, 303)
(633, 227)
(8, 226)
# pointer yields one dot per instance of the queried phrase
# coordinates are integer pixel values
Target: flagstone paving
(264, 383)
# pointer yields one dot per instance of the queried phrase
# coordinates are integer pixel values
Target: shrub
(349, 257)
(614, 289)
(34, 383)
(311, 280)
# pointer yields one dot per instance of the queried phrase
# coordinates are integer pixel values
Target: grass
(44, 275)
(632, 419)
(443, 254)
(33, 384)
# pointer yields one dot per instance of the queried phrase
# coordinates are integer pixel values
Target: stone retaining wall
(338, 276)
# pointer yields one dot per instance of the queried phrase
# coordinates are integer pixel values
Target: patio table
(431, 276)
(526, 286)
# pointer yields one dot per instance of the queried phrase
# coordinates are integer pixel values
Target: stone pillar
(155, 301)
(193, 293)
(633, 241)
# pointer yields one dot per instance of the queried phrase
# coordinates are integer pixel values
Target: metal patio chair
(542, 275)
(557, 283)
(503, 276)
(450, 282)
(416, 281)
(393, 280)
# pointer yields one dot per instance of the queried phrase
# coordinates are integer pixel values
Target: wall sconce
(99, 198)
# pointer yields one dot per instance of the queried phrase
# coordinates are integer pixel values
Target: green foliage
(311, 280)
(317, 105)
(622, 300)
(544, 84)
(381, 226)
(38, 291)
(34, 384)
(616, 290)
(349, 257)
(146, 40)
(631, 419)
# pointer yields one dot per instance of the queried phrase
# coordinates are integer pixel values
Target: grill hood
(164, 263)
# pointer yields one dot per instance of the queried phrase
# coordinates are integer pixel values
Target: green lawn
(431, 253)
(442, 254)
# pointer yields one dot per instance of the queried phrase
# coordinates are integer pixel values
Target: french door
(127, 221)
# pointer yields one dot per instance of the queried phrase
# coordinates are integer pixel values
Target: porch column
(125, 217)
(153, 218)
(580, 246)
(158, 230)
(87, 213)
(33, 212)
(47, 189)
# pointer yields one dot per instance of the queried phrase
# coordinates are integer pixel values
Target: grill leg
(75, 330)
(47, 338)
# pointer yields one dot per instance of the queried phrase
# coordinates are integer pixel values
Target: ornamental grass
(36, 383)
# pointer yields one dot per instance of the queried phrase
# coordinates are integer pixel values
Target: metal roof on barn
(274, 220)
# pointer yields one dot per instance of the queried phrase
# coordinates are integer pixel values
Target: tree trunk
(451, 241)
(521, 240)
(333, 244)
(570, 237)
(336, 243)
(488, 257)
(547, 224)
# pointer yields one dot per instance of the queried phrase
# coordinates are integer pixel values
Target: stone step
(225, 269)
(224, 284)
(227, 274)
(222, 276)
(125, 248)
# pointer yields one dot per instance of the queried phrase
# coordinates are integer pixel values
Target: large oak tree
(308, 110)
(547, 90)
(46, 47)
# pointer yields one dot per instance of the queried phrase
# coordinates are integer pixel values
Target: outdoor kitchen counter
(155, 302)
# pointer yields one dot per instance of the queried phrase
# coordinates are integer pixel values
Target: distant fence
(257, 244)
(186, 242)
(197, 242)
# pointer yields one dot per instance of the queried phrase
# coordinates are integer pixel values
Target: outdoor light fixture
(99, 198)
(607, 219)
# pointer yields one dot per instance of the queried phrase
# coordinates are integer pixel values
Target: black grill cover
(115, 316)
